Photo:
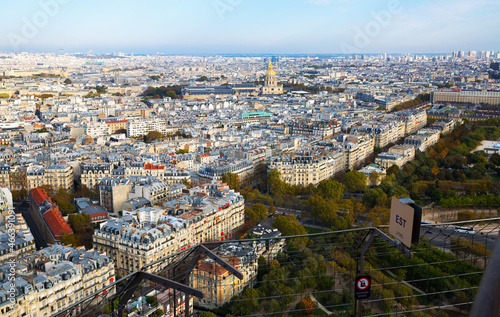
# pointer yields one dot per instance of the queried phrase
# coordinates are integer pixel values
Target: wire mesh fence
(314, 274)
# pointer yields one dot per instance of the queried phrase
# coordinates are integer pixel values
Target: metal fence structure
(314, 274)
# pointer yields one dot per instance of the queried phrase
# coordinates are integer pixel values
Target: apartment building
(321, 129)
(154, 190)
(383, 133)
(356, 149)
(49, 280)
(466, 96)
(217, 283)
(35, 176)
(4, 175)
(423, 139)
(15, 235)
(142, 126)
(139, 168)
(304, 168)
(113, 192)
(176, 176)
(386, 159)
(58, 175)
(407, 150)
(92, 173)
(255, 155)
(208, 213)
(18, 179)
(445, 126)
(96, 129)
(413, 120)
(116, 126)
(215, 171)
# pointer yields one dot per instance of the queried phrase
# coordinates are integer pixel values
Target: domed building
(271, 86)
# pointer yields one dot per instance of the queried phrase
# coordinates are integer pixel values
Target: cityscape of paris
(237, 158)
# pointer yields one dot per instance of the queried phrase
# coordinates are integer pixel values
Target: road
(440, 236)
(24, 209)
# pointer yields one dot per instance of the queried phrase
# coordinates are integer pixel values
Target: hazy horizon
(223, 27)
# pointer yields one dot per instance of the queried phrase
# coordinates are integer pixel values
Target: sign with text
(402, 219)
(362, 287)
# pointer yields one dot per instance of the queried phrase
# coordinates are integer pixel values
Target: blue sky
(251, 26)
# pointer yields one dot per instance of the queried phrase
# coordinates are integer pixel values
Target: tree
(65, 206)
(152, 136)
(331, 189)
(275, 184)
(248, 302)
(289, 225)
(374, 196)
(308, 305)
(434, 193)
(232, 180)
(355, 181)
(67, 81)
(262, 267)
(181, 151)
(393, 170)
(272, 209)
(260, 211)
(80, 223)
(495, 159)
(251, 215)
(374, 176)
(171, 94)
(322, 209)
(70, 239)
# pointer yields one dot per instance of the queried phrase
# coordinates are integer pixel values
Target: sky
(250, 26)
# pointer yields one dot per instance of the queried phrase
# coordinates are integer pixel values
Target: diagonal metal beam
(141, 276)
(219, 261)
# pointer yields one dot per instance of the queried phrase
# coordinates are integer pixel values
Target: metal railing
(443, 275)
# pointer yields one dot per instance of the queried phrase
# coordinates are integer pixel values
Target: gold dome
(270, 71)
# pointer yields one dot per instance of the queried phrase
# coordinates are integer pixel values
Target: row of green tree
(161, 92)
(412, 103)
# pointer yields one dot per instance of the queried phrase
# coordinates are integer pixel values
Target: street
(24, 209)
(440, 236)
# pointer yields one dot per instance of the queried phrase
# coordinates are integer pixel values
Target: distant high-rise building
(461, 54)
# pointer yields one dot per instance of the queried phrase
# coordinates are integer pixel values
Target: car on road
(464, 230)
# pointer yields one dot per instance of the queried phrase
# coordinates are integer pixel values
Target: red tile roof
(150, 166)
(56, 222)
(116, 121)
(39, 195)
